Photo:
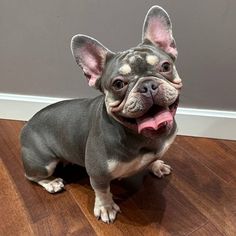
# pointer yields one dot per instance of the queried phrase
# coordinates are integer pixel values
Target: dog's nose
(148, 87)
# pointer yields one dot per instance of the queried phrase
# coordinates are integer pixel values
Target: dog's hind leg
(40, 171)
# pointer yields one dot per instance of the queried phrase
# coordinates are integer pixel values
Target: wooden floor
(199, 198)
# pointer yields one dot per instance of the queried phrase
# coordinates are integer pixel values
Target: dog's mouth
(156, 119)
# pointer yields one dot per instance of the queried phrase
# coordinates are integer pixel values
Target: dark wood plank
(227, 146)
(166, 207)
(13, 217)
(199, 198)
(65, 216)
(207, 230)
(153, 207)
(203, 188)
(210, 154)
(84, 196)
(59, 212)
(10, 154)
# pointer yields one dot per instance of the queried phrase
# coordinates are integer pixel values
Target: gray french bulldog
(126, 129)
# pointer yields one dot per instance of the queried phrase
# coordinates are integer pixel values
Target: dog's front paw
(159, 168)
(107, 213)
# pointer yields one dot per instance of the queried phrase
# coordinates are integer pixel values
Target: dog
(125, 130)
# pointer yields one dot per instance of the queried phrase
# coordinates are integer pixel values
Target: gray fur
(81, 132)
(92, 133)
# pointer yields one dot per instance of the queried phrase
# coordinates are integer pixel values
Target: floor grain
(199, 198)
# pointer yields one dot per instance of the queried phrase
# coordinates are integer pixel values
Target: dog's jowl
(126, 129)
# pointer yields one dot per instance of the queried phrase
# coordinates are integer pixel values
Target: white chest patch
(125, 169)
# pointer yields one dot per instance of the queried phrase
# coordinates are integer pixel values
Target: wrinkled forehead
(137, 60)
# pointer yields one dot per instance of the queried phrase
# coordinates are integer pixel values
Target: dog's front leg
(104, 207)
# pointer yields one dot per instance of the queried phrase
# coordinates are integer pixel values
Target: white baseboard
(191, 122)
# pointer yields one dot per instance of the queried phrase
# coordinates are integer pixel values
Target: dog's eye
(166, 67)
(118, 84)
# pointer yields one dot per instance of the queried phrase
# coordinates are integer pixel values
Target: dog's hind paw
(52, 186)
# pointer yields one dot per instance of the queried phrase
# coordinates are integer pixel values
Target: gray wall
(35, 56)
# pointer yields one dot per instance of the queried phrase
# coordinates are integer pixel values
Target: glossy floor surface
(198, 198)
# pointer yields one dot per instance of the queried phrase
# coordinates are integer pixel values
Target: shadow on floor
(140, 196)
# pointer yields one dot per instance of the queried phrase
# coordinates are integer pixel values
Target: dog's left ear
(157, 28)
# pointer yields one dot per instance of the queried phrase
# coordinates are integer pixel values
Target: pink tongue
(154, 122)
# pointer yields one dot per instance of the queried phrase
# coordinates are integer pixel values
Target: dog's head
(141, 85)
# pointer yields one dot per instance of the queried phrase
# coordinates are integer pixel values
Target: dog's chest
(119, 169)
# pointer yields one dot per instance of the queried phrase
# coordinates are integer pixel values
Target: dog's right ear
(90, 55)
